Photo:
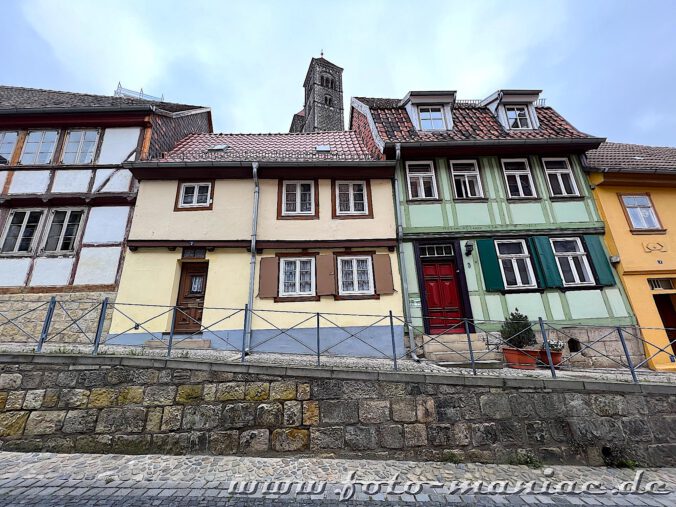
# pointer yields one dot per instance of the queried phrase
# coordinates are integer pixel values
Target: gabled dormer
(430, 110)
(514, 109)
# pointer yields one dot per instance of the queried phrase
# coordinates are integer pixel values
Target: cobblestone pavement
(116, 480)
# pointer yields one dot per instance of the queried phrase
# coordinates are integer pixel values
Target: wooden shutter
(544, 262)
(326, 274)
(599, 259)
(489, 265)
(382, 274)
(268, 277)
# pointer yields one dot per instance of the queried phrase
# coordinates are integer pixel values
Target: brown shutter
(326, 274)
(382, 272)
(268, 277)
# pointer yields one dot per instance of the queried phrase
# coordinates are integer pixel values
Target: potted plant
(556, 349)
(518, 336)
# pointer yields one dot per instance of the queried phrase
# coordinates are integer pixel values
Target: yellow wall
(640, 256)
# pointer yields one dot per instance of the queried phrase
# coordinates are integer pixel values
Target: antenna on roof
(120, 91)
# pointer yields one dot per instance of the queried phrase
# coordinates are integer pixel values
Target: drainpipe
(252, 262)
(402, 261)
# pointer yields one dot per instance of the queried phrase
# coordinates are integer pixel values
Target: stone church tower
(323, 108)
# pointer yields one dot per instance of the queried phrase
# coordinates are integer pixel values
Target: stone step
(462, 357)
(178, 343)
(479, 365)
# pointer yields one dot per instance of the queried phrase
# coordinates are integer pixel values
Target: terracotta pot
(557, 356)
(521, 359)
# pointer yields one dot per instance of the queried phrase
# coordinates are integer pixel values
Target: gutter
(252, 261)
(103, 109)
(235, 163)
(402, 260)
(585, 141)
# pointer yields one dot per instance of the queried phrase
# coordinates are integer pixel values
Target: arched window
(332, 85)
(328, 100)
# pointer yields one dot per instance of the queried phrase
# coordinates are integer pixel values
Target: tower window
(328, 100)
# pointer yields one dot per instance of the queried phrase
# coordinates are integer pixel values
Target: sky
(609, 66)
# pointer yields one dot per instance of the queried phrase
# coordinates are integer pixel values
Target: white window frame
(512, 258)
(36, 237)
(420, 176)
(79, 147)
(651, 206)
(48, 226)
(569, 255)
(443, 117)
(558, 172)
(351, 195)
(354, 259)
(527, 171)
(297, 260)
(3, 133)
(298, 183)
(51, 155)
(475, 172)
(195, 204)
(528, 117)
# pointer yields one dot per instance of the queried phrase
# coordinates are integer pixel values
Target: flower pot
(557, 356)
(521, 359)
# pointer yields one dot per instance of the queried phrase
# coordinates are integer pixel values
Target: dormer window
(431, 118)
(517, 117)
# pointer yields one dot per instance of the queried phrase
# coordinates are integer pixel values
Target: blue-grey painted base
(353, 341)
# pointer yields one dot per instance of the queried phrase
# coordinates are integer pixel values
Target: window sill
(523, 199)
(460, 200)
(522, 291)
(298, 217)
(562, 198)
(431, 200)
(338, 297)
(295, 299)
(351, 217)
(573, 288)
(194, 208)
(644, 232)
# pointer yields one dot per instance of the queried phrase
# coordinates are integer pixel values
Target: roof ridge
(290, 134)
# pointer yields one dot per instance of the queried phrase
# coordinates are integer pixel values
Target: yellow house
(635, 191)
(298, 228)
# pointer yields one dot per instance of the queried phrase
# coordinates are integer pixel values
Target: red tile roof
(344, 145)
(632, 158)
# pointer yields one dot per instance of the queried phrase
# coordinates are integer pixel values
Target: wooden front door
(190, 300)
(442, 296)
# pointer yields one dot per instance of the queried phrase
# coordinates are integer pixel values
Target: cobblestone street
(116, 480)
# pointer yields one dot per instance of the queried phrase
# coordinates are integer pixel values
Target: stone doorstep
(188, 343)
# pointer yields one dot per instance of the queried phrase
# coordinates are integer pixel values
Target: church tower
(323, 108)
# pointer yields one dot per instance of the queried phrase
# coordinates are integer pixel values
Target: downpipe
(252, 260)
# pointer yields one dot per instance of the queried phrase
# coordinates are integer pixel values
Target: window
(195, 195)
(297, 277)
(298, 198)
(572, 261)
(20, 230)
(436, 251)
(421, 181)
(515, 264)
(661, 283)
(640, 212)
(560, 177)
(518, 178)
(80, 147)
(466, 179)
(39, 147)
(517, 117)
(328, 101)
(7, 145)
(351, 198)
(63, 230)
(355, 275)
(431, 118)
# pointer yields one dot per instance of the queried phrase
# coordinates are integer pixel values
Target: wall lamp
(469, 248)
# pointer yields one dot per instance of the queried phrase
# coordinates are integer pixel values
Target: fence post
(318, 349)
(246, 316)
(547, 349)
(99, 328)
(627, 355)
(469, 344)
(394, 345)
(171, 331)
(46, 324)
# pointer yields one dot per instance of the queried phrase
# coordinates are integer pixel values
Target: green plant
(555, 345)
(525, 458)
(617, 457)
(517, 331)
(451, 457)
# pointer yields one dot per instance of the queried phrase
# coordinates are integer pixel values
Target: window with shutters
(640, 212)
(355, 276)
(195, 195)
(560, 177)
(421, 179)
(515, 264)
(351, 198)
(572, 261)
(80, 146)
(39, 147)
(7, 144)
(298, 198)
(466, 179)
(297, 277)
(518, 179)
(21, 231)
(63, 228)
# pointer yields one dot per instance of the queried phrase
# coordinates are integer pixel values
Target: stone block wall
(138, 405)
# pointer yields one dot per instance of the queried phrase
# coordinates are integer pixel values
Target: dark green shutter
(545, 263)
(489, 265)
(604, 272)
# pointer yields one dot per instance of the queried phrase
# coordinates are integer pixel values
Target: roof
(471, 121)
(344, 145)
(622, 157)
(16, 99)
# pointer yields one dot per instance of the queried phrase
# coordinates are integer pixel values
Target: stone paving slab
(46, 479)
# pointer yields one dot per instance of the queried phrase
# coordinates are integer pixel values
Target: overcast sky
(608, 66)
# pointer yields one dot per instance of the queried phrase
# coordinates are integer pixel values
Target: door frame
(183, 264)
(458, 259)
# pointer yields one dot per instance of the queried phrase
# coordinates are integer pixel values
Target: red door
(191, 297)
(443, 297)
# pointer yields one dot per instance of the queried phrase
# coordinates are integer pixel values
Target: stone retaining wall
(139, 405)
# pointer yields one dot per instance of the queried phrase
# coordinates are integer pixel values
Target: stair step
(178, 343)
(462, 357)
(479, 365)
